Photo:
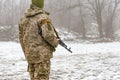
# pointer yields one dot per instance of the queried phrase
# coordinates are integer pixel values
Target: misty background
(94, 20)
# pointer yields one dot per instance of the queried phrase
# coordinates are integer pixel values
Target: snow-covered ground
(100, 61)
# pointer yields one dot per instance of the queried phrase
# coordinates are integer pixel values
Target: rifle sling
(40, 32)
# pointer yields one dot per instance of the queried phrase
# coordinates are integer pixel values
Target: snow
(68, 36)
(98, 61)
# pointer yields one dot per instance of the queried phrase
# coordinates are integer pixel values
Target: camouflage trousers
(39, 71)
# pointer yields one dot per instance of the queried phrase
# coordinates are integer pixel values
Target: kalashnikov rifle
(61, 42)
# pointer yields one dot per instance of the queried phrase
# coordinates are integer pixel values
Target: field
(98, 61)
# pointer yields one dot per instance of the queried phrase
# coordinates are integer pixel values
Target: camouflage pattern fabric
(35, 48)
(39, 71)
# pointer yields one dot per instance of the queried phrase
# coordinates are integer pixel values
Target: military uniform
(38, 49)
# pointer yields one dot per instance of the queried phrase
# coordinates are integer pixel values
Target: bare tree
(96, 8)
(72, 15)
(110, 17)
(82, 25)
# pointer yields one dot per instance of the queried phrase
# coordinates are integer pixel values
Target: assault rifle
(61, 42)
(64, 45)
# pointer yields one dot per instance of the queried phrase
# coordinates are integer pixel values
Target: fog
(89, 19)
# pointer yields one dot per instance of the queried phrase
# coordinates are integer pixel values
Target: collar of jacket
(34, 10)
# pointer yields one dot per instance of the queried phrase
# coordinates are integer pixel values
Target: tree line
(97, 18)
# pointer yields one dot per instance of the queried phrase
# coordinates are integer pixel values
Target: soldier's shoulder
(43, 17)
(23, 19)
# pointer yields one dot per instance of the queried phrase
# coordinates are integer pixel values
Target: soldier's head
(38, 3)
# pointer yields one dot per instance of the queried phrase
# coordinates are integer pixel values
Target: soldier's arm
(48, 34)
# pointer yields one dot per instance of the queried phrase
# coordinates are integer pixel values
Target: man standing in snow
(38, 41)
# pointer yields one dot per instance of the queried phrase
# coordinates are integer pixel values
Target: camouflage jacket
(35, 48)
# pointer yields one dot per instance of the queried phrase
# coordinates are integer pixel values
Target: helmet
(38, 3)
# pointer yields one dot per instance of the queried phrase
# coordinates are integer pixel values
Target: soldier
(38, 41)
